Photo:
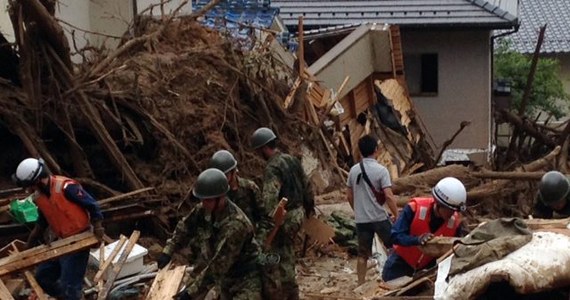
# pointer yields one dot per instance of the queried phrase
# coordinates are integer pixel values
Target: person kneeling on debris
(65, 209)
(552, 197)
(221, 238)
(421, 220)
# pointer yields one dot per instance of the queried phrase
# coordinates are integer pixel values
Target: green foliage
(547, 93)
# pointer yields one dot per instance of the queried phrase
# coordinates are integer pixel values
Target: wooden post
(31, 280)
(117, 267)
(105, 263)
(301, 49)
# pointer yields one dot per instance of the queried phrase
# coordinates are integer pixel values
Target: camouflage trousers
(279, 282)
(243, 288)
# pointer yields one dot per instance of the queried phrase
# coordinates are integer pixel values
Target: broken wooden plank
(15, 285)
(126, 195)
(39, 254)
(4, 292)
(438, 246)
(166, 283)
(105, 263)
(118, 265)
(292, 93)
(318, 230)
(538, 224)
(40, 294)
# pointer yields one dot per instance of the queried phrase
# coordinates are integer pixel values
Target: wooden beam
(105, 263)
(301, 49)
(166, 283)
(30, 278)
(4, 292)
(126, 195)
(39, 254)
(117, 266)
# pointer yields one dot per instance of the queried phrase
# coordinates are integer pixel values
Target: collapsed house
(140, 122)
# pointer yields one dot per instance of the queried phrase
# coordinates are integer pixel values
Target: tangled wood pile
(144, 117)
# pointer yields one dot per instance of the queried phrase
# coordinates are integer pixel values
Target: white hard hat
(451, 193)
(28, 171)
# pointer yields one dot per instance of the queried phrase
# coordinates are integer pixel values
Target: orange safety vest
(64, 217)
(423, 208)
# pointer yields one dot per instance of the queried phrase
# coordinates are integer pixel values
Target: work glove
(98, 230)
(163, 260)
(182, 296)
(424, 238)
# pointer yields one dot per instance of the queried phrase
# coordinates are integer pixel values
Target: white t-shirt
(366, 208)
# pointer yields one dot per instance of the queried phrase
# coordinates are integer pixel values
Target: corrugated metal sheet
(401, 12)
(536, 13)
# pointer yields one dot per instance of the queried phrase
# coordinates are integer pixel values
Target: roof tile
(536, 13)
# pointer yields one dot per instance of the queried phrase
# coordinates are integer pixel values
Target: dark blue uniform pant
(63, 278)
(396, 267)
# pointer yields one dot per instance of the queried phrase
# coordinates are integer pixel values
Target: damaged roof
(406, 13)
(536, 13)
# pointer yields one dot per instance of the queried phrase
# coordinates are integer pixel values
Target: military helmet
(553, 187)
(262, 136)
(223, 160)
(211, 183)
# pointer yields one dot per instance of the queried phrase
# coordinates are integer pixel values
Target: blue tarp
(231, 16)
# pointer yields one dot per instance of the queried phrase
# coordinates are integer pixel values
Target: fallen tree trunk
(504, 186)
(429, 178)
(531, 176)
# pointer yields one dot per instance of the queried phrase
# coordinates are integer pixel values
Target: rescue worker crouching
(552, 199)
(65, 209)
(421, 220)
(221, 238)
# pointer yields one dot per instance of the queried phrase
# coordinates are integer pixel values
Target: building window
(422, 73)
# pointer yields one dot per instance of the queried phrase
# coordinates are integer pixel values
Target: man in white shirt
(370, 215)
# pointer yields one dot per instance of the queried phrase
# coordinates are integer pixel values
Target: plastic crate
(24, 211)
(133, 265)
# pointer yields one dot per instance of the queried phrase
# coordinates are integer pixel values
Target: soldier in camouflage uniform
(284, 177)
(222, 241)
(243, 192)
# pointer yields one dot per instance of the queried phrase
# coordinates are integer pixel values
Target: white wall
(5, 23)
(464, 69)
(167, 7)
(110, 17)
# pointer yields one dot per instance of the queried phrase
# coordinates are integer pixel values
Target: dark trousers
(396, 267)
(365, 233)
(63, 278)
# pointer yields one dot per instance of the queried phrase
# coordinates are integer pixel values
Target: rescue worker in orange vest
(421, 220)
(65, 209)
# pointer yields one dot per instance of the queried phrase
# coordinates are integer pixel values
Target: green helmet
(211, 183)
(262, 136)
(223, 160)
(554, 187)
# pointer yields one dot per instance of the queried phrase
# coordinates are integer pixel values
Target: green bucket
(24, 211)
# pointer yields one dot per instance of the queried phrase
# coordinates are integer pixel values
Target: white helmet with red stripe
(450, 192)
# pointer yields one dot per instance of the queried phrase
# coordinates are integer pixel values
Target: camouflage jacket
(543, 211)
(223, 247)
(284, 177)
(248, 198)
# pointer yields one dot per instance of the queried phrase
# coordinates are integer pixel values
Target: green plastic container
(24, 211)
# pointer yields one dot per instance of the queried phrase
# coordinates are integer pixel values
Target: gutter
(505, 33)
